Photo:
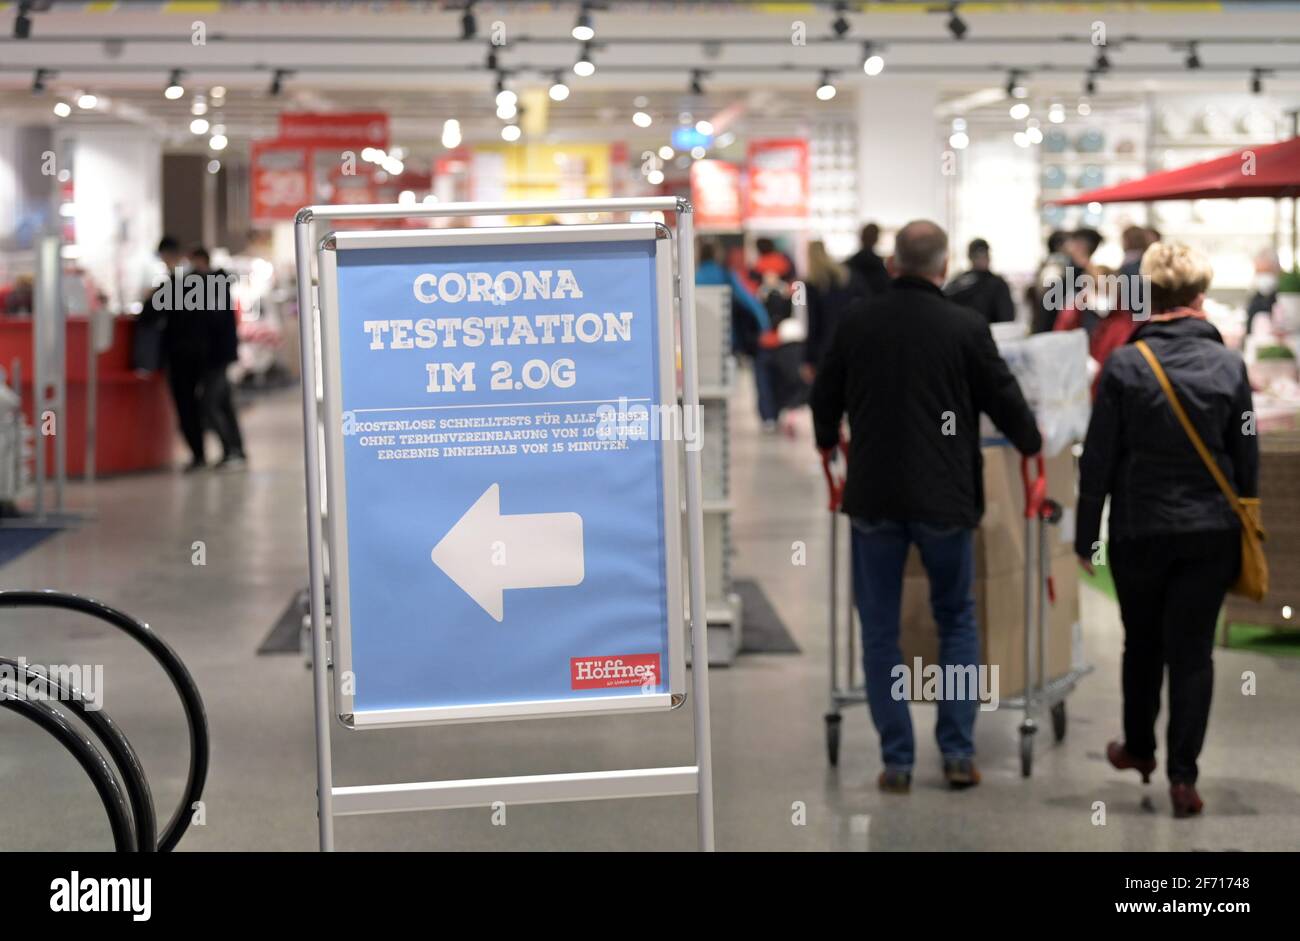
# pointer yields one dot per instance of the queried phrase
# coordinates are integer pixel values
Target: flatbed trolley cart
(1040, 512)
(1040, 693)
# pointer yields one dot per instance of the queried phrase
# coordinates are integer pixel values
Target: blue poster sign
(504, 541)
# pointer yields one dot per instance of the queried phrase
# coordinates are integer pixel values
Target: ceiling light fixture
(277, 82)
(1015, 86)
(697, 82)
(584, 67)
(582, 29)
(174, 87)
(1102, 62)
(872, 62)
(62, 109)
(23, 22)
(826, 90)
(956, 25)
(840, 25)
(451, 133)
(1193, 56)
(558, 90)
(511, 133)
(468, 23)
(38, 80)
(505, 97)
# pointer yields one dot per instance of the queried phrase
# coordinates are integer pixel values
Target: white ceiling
(407, 58)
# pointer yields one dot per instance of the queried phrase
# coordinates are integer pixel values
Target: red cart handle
(835, 487)
(1036, 486)
(1037, 503)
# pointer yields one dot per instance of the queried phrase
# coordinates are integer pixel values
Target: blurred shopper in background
(1135, 240)
(185, 347)
(782, 345)
(749, 321)
(1267, 272)
(830, 289)
(869, 266)
(1113, 328)
(223, 349)
(771, 261)
(1174, 540)
(748, 316)
(980, 289)
(1051, 275)
(914, 371)
(1081, 273)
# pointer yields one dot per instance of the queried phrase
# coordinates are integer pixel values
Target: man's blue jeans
(879, 554)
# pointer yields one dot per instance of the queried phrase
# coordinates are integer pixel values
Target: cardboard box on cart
(1000, 574)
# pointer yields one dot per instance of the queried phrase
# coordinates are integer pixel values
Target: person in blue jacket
(748, 321)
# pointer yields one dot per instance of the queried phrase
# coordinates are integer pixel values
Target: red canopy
(1276, 172)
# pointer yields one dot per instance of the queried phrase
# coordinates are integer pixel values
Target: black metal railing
(128, 802)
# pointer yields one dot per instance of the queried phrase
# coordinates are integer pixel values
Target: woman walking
(1174, 538)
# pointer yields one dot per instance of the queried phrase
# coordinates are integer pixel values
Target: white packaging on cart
(1052, 369)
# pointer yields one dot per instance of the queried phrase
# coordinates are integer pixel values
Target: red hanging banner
(778, 179)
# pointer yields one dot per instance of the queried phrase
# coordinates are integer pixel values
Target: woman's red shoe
(1187, 803)
(1121, 760)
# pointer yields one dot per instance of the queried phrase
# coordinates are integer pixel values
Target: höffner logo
(952, 683)
(614, 671)
(105, 894)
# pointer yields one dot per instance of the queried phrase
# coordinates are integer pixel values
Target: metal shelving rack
(717, 375)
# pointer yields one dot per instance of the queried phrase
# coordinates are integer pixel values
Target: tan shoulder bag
(1252, 582)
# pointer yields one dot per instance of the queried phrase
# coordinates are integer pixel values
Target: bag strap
(1210, 464)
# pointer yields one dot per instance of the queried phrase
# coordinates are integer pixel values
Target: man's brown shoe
(961, 773)
(895, 782)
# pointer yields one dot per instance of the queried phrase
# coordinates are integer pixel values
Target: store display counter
(135, 419)
(1279, 493)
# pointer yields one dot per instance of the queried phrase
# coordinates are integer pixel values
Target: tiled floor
(137, 552)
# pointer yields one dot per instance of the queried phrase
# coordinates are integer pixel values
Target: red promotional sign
(778, 178)
(347, 129)
(281, 180)
(715, 194)
(637, 669)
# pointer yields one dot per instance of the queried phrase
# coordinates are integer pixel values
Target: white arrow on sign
(485, 553)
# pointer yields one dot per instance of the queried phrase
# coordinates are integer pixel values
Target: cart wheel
(833, 720)
(1026, 754)
(1058, 721)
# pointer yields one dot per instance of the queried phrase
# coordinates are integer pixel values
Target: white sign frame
(335, 472)
(696, 779)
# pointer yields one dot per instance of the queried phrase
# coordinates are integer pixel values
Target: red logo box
(637, 669)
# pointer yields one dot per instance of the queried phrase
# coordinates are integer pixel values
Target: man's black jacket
(870, 267)
(1137, 452)
(985, 293)
(914, 371)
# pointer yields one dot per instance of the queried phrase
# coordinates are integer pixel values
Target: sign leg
(320, 663)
